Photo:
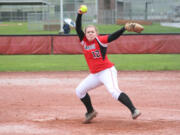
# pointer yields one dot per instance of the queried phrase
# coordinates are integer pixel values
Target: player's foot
(136, 114)
(89, 116)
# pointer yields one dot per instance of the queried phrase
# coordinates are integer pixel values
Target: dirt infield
(44, 103)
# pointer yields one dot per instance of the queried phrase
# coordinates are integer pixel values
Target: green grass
(10, 28)
(155, 28)
(146, 62)
(148, 29)
(139, 62)
(41, 62)
(7, 28)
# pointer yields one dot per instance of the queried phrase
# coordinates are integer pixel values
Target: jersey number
(96, 54)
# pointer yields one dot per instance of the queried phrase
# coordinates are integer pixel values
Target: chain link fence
(46, 16)
(49, 19)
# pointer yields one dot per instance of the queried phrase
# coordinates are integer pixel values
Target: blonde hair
(85, 28)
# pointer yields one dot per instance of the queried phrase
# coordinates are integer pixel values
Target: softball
(83, 8)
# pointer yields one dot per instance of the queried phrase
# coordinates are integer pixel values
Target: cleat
(89, 117)
(136, 114)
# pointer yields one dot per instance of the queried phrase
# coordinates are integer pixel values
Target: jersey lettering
(96, 54)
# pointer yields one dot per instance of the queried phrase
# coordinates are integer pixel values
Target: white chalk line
(165, 109)
(16, 128)
(37, 81)
(53, 81)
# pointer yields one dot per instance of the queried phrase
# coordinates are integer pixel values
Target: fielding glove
(134, 27)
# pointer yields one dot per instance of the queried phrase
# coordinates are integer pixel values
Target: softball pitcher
(102, 71)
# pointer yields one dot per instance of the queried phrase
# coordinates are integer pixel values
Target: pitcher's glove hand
(134, 27)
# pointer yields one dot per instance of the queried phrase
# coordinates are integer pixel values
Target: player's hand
(79, 11)
(82, 9)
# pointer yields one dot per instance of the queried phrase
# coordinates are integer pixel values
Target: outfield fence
(126, 44)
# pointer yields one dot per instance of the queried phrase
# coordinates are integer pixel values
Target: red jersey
(95, 53)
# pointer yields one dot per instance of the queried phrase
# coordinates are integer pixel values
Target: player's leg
(124, 99)
(89, 83)
(91, 113)
(109, 79)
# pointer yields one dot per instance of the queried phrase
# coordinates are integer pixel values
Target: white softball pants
(108, 77)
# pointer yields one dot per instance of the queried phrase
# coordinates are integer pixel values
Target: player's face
(90, 33)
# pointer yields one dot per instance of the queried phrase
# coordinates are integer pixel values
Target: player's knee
(115, 94)
(80, 93)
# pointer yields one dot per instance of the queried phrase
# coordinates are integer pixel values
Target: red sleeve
(103, 39)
